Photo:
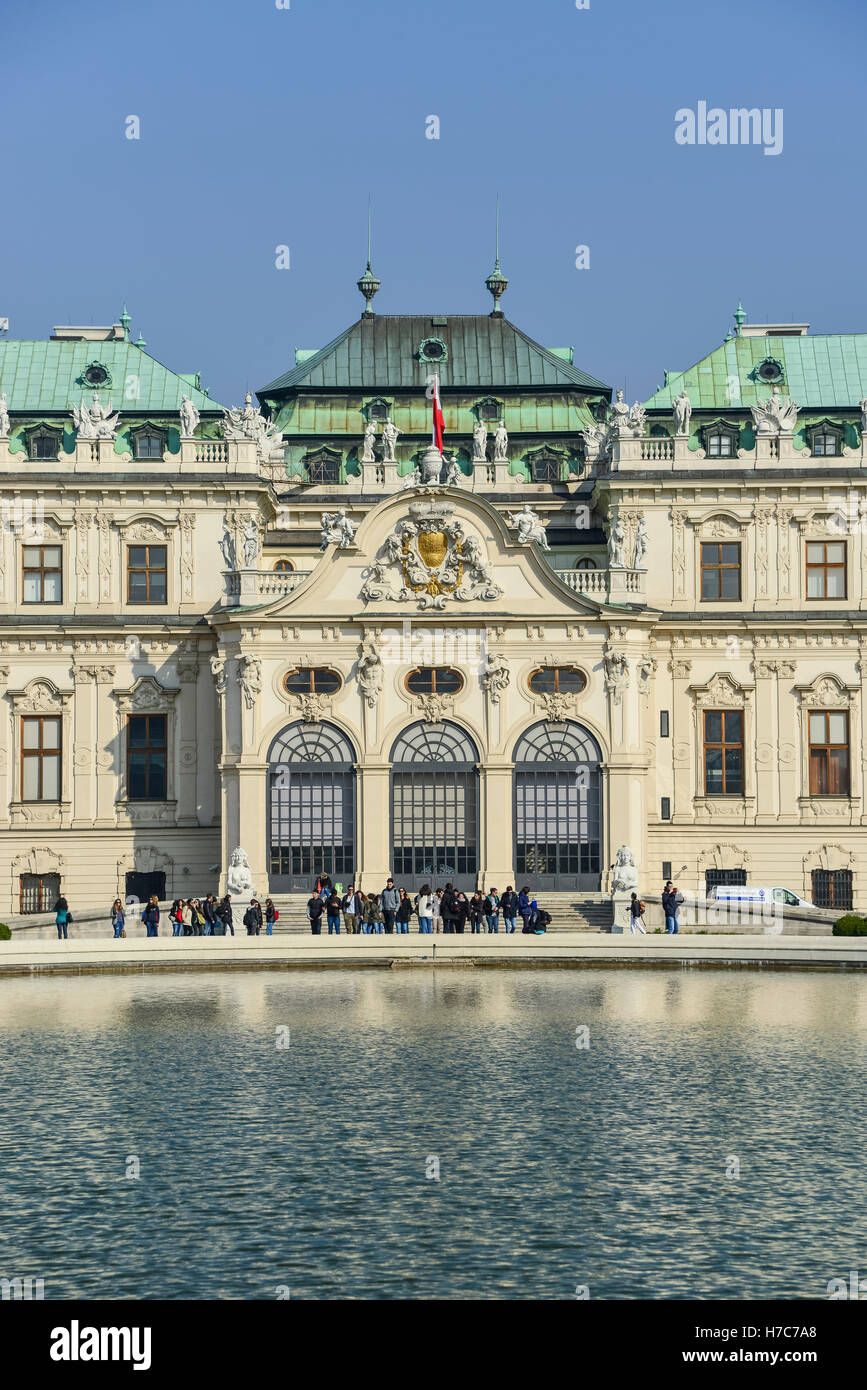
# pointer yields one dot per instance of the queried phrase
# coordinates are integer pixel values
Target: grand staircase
(569, 912)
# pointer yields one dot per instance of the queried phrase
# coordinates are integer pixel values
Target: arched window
(585, 563)
(557, 680)
(311, 821)
(435, 805)
(434, 680)
(44, 444)
(283, 567)
(312, 680)
(558, 821)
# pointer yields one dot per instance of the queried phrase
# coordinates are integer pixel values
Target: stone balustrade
(606, 585)
(245, 588)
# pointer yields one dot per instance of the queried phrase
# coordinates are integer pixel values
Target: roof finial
(739, 316)
(125, 322)
(368, 284)
(496, 281)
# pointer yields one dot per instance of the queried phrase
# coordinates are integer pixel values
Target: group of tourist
(208, 916)
(446, 910)
(671, 901)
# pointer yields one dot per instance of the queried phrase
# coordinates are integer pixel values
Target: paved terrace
(28, 956)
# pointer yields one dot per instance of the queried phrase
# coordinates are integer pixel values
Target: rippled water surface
(304, 1166)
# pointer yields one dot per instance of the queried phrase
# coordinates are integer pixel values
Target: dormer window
(719, 446)
(378, 409)
(95, 374)
(544, 468)
(149, 445)
(43, 444)
(770, 370)
(720, 440)
(826, 441)
(489, 409)
(324, 466)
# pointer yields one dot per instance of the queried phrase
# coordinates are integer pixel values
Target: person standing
(636, 914)
(349, 908)
(492, 911)
(475, 912)
(463, 910)
(374, 915)
(176, 916)
(449, 910)
(225, 915)
(198, 918)
(424, 907)
(435, 909)
(332, 912)
(189, 918)
(524, 908)
(670, 906)
(404, 912)
(271, 916)
(389, 901)
(315, 909)
(118, 919)
(151, 916)
(209, 911)
(253, 918)
(509, 909)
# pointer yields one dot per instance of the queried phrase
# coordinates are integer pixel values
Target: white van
(740, 893)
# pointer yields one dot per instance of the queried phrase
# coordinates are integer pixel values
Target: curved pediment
(436, 549)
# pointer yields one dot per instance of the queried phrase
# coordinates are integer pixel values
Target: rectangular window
(720, 570)
(146, 757)
(666, 870)
(324, 470)
(826, 569)
(719, 446)
(724, 752)
(545, 470)
(663, 723)
(146, 574)
(829, 753)
(38, 892)
(724, 878)
(832, 888)
(665, 813)
(41, 569)
(40, 758)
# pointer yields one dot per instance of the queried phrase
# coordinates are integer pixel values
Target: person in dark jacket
(509, 909)
(636, 915)
(492, 911)
(405, 910)
(449, 910)
(209, 909)
(389, 902)
(463, 911)
(670, 905)
(151, 917)
(332, 912)
(253, 918)
(271, 916)
(224, 912)
(315, 909)
(524, 908)
(475, 912)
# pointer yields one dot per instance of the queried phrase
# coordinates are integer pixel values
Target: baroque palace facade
(296, 627)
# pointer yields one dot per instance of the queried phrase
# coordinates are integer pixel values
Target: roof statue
(4, 417)
(190, 418)
(337, 529)
(682, 412)
(501, 444)
(530, 528)
(94, 421)
(249, 423)
(775, 415)
(390, 432)
(367, 454)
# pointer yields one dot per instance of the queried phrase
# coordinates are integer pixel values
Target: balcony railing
(608, 586)
(246, 588)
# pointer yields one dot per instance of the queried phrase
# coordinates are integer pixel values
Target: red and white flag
(437, 414)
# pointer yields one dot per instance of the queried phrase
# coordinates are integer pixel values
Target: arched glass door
(311, 820)
(558, 815)
(434, 806)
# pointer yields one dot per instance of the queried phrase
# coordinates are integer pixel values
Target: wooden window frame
(556, 669)
(40, 753)
(42, 569)
(823, 567)
(43, 906)
(417, 671)
(148, 434)
(147, 749)
(723, 744)
(312, 672)
(147, 570)
(718, 568)
(827, 748)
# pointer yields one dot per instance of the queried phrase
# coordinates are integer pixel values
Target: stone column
(373, 819)
(84, 517)
(188, 674)
(252, 785)
(497, 838)
(682, 741)
(767, 744)
(7, 792)
(83, 749)
(106, 741)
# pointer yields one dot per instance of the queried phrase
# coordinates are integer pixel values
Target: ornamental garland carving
(429, 558)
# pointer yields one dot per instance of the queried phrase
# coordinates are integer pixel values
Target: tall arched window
(311, 822)
(558, 817)
(435, 805)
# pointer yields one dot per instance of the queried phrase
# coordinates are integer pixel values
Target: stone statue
(454, 473)
(640, 551)
(337, 529)
(501, 444)
(94, 421)
(682, 411)
(480, 440)
(239, 880)
(390, 433)
(530, 527)
(367, 454)
(218, 671)
(644, 670)
(249, 423)
(625, 879)
(189, 418)
(379, 584)
(4, 418)
(616, 544)
(477, 581)
(496, 677)
(227, 547)
(636, 419)
(775, 415)
(250, 679)
(251, 543)
(619, 415)
(369, 671)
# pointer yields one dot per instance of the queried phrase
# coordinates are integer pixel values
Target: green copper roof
(47, 377)
(380, 353)
(819, 369)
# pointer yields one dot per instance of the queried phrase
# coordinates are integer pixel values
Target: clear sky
(262, 127)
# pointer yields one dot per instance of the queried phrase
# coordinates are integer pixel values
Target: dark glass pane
(326, 682)
(734, 726)
(157, 779)
(543, 681)
(734, 770)
(447, 682)
(713, 726)
(298, 682)
(731, 554)
(158, 588)
(420, 682)
(137, 556)
(710, 583)
(731, 583)
(157, 555)
(138, 588)
(571, 681)
(713, 777)
(157, 730)
(137, 775)
(138, 725)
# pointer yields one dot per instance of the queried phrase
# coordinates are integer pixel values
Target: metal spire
(368, 284)
(496, 281)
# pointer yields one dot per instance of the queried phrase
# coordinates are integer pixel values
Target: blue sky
(263, 127)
